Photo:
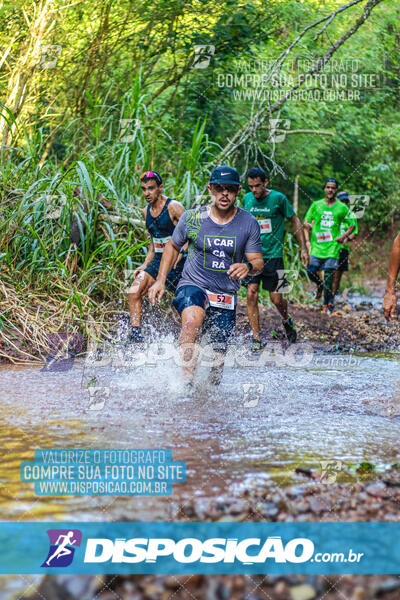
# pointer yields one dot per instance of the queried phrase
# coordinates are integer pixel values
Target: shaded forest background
(94, 92)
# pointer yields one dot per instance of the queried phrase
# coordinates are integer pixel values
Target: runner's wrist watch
(249, 265)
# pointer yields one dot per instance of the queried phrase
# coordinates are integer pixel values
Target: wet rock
(302, 507)
(280, 588)
(238, 507)
(223, 592)
(301, 471)
(269, 509)
(378, 489)
(387, 586)
(359, 594)
(173, 582)
(297, 490)
(189, 510)
(302, 592)
(319, 505)
(70, 587)
(227, 519)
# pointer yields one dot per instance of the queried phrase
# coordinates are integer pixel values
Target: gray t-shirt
(213, 248)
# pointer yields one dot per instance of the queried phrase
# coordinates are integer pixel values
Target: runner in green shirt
(270, 208)
(345, 248)
(323, 220)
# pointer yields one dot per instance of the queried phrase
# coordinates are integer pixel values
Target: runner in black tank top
(161, 215)
(160, 228)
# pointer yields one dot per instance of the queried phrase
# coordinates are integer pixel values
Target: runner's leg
(328, 284)
(220, 324)
(336, 282)
(315, 278)
(139, 287)
(192, 319)
(252, 309)
(280, 304)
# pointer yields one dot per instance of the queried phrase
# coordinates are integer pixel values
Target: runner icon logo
(284, 286)
(62, 547)
(357, 205)
(49, 55)
(330, 470)
(98, 397)
(252, 393)
(278, 129)
(202, 56)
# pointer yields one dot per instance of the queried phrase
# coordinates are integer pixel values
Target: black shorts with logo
(272, 280)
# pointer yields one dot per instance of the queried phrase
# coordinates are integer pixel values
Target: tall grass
(63, 285)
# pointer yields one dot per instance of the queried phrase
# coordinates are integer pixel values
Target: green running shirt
(270, 213)
(326, 221)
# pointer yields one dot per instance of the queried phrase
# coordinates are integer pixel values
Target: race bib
(265, 225)
(324, 236)
(226, 301)
(160, 243)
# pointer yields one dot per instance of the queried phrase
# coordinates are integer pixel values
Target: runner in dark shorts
(270, 208)
(269, 278)
(224, 247)
(162, 215)
(328, 223)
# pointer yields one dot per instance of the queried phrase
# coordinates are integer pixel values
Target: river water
(270, 415)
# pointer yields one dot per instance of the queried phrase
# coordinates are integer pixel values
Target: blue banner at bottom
(185, 548)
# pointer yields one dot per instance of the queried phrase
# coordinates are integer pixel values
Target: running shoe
(328, 309)
(290, 330)
(317, 296)
(256, 345)
(134, 337)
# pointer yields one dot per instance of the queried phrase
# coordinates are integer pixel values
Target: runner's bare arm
(176, 210)
(299, 233)
(390, 300)
(306, 230)
(241, 270)
(342, 239)
(170, 254)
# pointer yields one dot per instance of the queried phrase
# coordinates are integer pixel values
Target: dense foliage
(95, 92)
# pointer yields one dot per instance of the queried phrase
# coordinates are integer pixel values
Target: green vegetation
(95, 92)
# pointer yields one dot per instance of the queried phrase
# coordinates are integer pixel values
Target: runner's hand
(340, 240)
(138, 270)
(389, 305)
(238, 271)
(180, 256)
(156, 292)
(305, 257)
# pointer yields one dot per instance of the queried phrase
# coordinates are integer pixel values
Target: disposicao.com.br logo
(212, 550)
(62, 547)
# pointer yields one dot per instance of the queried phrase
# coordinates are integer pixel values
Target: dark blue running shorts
(173, 276)
(218, 322)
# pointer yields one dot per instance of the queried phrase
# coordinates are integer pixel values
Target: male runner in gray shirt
(220, 236)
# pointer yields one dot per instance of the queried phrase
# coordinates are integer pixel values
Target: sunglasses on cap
(229, 187)
(151, 175)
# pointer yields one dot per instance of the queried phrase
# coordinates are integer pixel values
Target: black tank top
(160, 228)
